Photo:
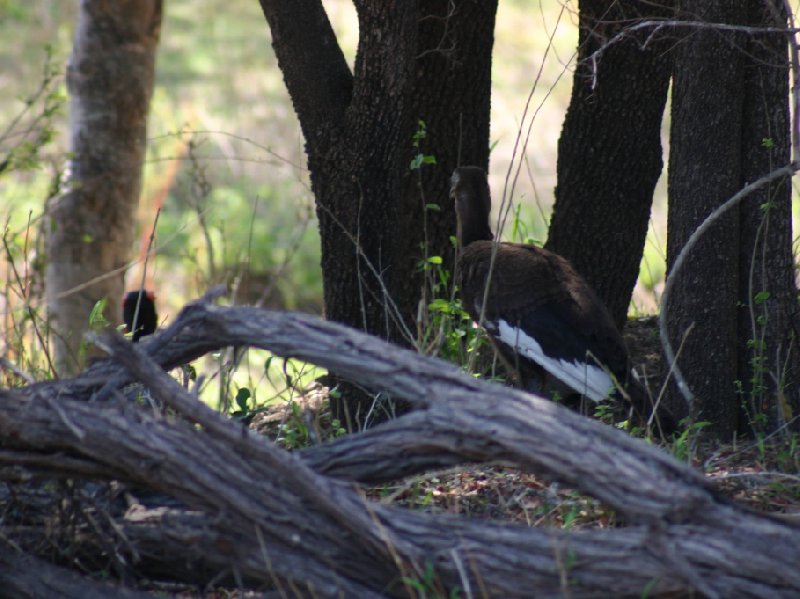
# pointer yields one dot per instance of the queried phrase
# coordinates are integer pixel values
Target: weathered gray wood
(283, 517)
(27, 577)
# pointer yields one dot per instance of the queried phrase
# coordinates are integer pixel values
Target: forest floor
(496, 492)
(761, 474)
(764, 475)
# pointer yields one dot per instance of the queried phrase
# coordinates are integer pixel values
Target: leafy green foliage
(295, 432)
(32, 127)
(242, 399)
(683, 445)
(25, 137)
(446, 328)
(520, 232)
(420, 159)
(97, 317)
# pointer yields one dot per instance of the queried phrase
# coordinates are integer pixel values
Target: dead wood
(295, 522)
(24, 576)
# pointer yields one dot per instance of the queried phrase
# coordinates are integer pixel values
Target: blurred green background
(239, 200)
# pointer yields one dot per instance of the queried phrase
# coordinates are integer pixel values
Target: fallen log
(24, 576)
(296, 521)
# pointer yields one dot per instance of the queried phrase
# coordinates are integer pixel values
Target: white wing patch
(585, 378)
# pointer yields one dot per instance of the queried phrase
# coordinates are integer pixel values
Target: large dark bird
(542, 316)
(139, 306)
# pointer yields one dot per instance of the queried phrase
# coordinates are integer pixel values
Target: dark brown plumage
(543, 317)
(139, 306)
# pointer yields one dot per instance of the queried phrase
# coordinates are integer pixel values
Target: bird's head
(469, 188)
(139, 313)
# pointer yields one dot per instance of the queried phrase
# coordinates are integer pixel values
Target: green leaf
(421, 159)
(439, 305)
(761, 297)
(242, 395)
(97, 317)
(435, 260)
(420, 133)
(434, 207)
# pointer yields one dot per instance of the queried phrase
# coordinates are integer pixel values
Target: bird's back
(542, 294)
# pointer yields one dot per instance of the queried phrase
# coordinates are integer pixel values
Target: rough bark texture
(704, 171)
(730, 93)
(26, 577)
(430, 62)
(285, 520)
(768, 333)
(609, 153)
(110, 81)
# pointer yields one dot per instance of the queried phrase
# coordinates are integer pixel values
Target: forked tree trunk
(609, 153)
(429, 63)
(110, 80)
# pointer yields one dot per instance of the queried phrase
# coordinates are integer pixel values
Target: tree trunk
(609, 153)
(110, 80)
(704, 171)
(295, 521)
(736, 293)
(768, 334)
(430, 64)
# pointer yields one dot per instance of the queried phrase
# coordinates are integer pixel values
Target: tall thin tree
(90, 230)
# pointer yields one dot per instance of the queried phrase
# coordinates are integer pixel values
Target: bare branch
(284, 522)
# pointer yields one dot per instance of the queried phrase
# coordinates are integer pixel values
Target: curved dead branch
(296, 522)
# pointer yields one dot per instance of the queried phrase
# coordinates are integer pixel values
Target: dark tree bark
(704, 171)
(90, 232)
(609, 153)
(768, 334)
(430, 62)
(730, 93)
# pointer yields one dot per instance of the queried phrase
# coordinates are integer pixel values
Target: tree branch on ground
(296, 522)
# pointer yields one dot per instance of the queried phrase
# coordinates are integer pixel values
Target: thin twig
(508, 191)
(150, 252)
(658, 24)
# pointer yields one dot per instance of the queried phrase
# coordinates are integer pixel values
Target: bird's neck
(474, 230)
